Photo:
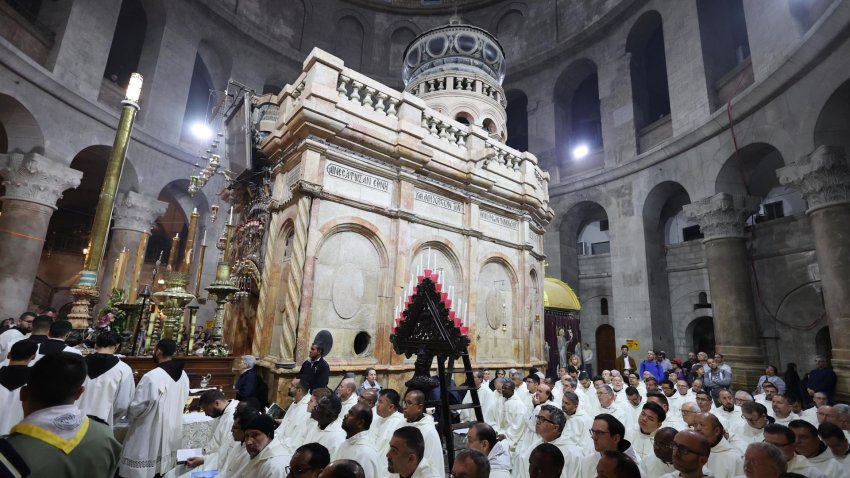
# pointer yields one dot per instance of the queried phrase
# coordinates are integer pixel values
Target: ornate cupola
(458, 70)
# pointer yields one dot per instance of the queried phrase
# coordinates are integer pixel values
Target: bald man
(346, 395)
(690, 454)
(725, 460)
(660, 462)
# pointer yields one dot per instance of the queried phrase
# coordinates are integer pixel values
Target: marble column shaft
(823, 177)
(33, 185)
(722, 218)
(133, 216)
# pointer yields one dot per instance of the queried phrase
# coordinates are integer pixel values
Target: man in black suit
(315, 372)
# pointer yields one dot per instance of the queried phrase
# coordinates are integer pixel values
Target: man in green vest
(56, 438)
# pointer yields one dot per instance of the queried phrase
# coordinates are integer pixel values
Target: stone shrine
(371, 185)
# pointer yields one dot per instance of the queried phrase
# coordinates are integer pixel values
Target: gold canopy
(558, 295)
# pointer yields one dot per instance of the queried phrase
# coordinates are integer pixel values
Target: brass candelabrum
(172, 301)
(221, 289)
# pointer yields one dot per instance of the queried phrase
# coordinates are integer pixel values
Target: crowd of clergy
(60, 408)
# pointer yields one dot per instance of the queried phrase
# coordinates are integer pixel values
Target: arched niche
(833, 123)
(752, 171)
(495, 310)
(19, 130)
(648, 72)
(517, 119)
(578, 118)
(444, 262)
(399, 39)
(349, 39)
(581, 230)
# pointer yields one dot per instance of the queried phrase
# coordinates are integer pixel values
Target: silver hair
(606, 388)
(774, 455)
(842, 409)
(249, 360)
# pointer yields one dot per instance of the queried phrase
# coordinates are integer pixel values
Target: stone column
(722, 218)
(823, 177)
(33, 185)
(133, 217)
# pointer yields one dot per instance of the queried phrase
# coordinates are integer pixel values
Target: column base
(747, 364)
(80, 316)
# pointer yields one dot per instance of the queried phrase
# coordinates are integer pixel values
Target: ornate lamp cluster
(198, 181)
(427, 271)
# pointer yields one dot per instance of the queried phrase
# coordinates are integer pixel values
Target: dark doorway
(823, 343)
(703, 335)
(606, 348)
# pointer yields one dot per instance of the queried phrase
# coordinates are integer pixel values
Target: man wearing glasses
(308, 461)
(783, 438)
(754, 418)
(691, 452)
(607, 434)
(549, 427)
(9, 336)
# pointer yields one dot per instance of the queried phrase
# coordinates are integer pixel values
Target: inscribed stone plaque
(351, 182)
(436, 206)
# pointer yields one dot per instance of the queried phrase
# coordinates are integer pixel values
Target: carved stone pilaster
(36, 178)
(822, 177)
(137, 212)
(722, 215)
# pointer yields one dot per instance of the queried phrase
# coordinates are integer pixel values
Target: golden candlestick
(133, 287)
(172, 254)
(190, 242)
(200, 270)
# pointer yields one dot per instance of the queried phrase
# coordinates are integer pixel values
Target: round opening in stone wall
(361, 342)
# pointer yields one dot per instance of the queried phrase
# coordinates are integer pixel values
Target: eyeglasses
(297, 471)
(596, 433)
(540, 419)
(683, 450)
(752, 421)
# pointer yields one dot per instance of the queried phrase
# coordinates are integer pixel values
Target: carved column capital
(722, 215)
(136, 212)
(822, 177)
(36, 178)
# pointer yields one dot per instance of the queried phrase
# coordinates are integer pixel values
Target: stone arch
(280, 260)
(648, 68)
(351, 36)
(725, 47)
(663, 204)
(400, 35)
(517, 119)
(20, 132)
(127, 43)
(218, 61)
(497, 308)
(832, 126)
(572, 222)
(509, 22)
(570, 130)
(699, 334)
(350, 290)
(752, 171)
(175, 220)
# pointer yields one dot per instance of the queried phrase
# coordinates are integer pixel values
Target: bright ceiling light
(201, 131)
(580, 151)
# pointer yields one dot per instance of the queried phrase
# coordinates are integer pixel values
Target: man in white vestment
(414, 415)
(358, 445)
(642, 434)
(728, 411)
(12, 378)
(607, 434)
(235, 457)
(19, 332)
(684, 393)
(766, 397)
(549, 426)
(408, 455)
(347, 396)
(309, 460)
(388, 418)
(512, 426)
(577, 421)
(660, 462)
(634, 403)
(783, 438)
(605, 395)
(221, 410)
(268, 457)
(293, 426)
(836, 440)
(816, 451)
(156, 417)
(326, 424)
(588, 388)
(750, 428)
(811, 414)
(485, 398)
(782, 410)
(109, 384)
(692, 454)
(725, 460)
(482, 437)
